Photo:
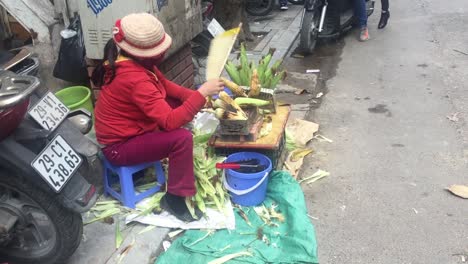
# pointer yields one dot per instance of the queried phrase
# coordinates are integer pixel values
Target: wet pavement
(394, 151)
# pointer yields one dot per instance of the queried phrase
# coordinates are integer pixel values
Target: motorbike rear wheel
(45, 232)
(259, 7)
(309, 31)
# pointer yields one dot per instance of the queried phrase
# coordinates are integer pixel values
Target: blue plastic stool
(128, 197)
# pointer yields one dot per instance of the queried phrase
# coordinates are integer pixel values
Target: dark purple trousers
(177, 145)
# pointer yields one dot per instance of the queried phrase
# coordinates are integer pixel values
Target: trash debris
(118, 235)
(415, 211)
(319, 95)
(298, 154)
(313, 71)
(459, 190)
(226, 258)
(106, 213)
(290, 143)
(322, 138)
(146, 229)
(453, 117)
(295, 160)
(299, 91)
(269, 214)
(267, 126)
(209, 233)
(343, 208)
(125, 251)
(461, 52)
(175, 233)
(319, 174)
(302, 131)
(312, 217)
(244, 216)
(298, 56)
(166, 245)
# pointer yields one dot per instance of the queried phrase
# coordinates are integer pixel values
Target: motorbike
(322, 21)
(259, 7)
(45, 166)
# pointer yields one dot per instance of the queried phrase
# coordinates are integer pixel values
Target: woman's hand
(211, 87)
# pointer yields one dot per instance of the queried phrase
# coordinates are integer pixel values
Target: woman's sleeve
(151, 101)
(174, 90)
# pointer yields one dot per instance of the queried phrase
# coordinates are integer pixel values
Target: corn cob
(221, 113)
(234, 87)
(227, 99)
(250, 101)
(232, 72)
(254, 85)
(218, 103)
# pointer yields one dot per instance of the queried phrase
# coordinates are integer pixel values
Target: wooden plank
(271, 141)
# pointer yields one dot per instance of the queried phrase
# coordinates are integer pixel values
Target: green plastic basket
(76, 97)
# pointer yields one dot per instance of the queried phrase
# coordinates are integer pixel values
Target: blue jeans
(283, 2)
(360, 12)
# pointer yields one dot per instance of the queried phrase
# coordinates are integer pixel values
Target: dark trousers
(283, 2)
(177, 145)
(385, 5)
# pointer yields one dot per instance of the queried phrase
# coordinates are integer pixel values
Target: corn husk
(459, 190)
(226, 258)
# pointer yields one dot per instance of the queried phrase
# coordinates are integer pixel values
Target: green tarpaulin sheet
(293, 241)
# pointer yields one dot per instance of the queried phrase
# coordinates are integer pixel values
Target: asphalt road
(394, 150)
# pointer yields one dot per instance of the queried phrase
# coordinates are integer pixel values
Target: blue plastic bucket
(247, 189)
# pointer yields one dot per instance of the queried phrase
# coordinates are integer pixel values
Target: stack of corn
(243, 74)
(226, 108)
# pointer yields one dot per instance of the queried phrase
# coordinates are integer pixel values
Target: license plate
(57, 163)
(49, 112)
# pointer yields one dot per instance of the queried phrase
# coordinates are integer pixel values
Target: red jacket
(138, 101)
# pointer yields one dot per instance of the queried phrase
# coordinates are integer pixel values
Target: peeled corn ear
(228, 100)
(254, 84)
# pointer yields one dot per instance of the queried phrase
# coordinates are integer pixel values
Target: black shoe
(284, 7)
(176, 206)
(384, 19)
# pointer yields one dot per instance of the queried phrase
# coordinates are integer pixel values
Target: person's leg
(361, 14)
(385, 5)
(283, 4)
(385, 14)
(176, 145)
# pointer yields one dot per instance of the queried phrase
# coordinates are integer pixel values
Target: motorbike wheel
(45, 232)
(309, 31)
(296, 2)
(259, 7)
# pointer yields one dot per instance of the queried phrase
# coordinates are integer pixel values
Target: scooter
(320, 20)
(44, 158)
(259, 7)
